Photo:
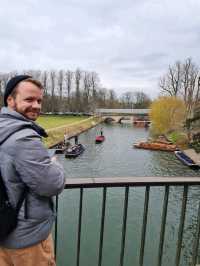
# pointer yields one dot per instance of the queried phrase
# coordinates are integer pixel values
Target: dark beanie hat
(12, 83)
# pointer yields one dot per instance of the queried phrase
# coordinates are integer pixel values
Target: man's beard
(28, 109)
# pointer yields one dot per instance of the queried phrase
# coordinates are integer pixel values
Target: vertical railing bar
(56, 227)
(102, 226)
(124, 226)
(181, 225)
(196, 241)
(163, 224)
(79, 227)
(144, 225)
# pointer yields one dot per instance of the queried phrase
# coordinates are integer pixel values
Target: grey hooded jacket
(25, 161)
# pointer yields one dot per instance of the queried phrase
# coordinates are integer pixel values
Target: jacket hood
(12, 121)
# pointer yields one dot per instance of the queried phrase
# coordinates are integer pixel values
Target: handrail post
(181, 225)
(196, 241)
(102, 226)
(79, 227)
(163, 224)
(144, 225)
(124, 226)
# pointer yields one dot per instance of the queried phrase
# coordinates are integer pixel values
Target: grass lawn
(47, 121)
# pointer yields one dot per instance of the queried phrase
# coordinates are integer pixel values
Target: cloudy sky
(129, 43)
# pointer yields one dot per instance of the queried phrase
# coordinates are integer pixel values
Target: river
(116, 157)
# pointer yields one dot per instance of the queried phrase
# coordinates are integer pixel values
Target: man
(25, 163)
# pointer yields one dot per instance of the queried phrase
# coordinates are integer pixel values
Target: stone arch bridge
(136, 116)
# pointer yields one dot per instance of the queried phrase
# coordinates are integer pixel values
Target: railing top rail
(129, 181)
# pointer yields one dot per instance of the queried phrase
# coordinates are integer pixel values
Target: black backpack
(9, 213)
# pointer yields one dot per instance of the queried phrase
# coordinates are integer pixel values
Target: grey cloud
(129, 43)
(153, 57)
(143, 58)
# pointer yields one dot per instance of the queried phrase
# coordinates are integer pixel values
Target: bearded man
(26, 166)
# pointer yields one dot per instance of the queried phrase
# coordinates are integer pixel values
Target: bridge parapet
(122, 111)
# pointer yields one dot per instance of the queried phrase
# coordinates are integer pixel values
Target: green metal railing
(147, 183)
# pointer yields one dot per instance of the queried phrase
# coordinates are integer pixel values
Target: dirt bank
(56, 135)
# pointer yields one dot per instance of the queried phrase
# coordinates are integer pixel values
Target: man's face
(28, 100)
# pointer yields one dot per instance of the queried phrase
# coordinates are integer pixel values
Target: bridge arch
(108, 119)
(120, 120)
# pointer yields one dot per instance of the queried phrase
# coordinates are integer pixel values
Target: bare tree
(60, 83)
(182, 80)
(171, 82)
(53, 81)
(68, 81)
(86, 90)
(36, 74)
(78, 76)
(94, 83)
(190, 88)
(102, 97)
(142, 100)
(44, 79)
(46, 106)
(197, 98)
(128, 99)
(80, 89)
(112, 100)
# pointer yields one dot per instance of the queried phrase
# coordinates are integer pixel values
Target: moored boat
(60, 150)
(74, 151)
(186, 159)
(155, 146)
(99, 139)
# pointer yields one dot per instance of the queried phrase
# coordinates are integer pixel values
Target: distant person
(146, 125)
(101, 132)
(27, 170)
(76, 140)
(66, 140)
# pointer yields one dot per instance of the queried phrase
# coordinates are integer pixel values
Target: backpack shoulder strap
(4, 194)
(7, 137)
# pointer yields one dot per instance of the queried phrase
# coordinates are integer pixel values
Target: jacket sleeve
(35, 168)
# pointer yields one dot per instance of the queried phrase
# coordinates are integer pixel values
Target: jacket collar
(11, 114)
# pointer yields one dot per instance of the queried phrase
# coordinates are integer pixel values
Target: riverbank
(182, 141)
(56, 135)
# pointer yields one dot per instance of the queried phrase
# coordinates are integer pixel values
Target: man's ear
(11, 101)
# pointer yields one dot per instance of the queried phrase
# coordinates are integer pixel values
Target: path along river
(117, 158)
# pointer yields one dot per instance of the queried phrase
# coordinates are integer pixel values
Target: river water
(116, 157)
